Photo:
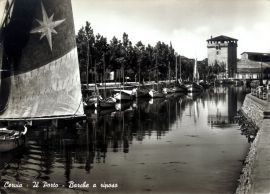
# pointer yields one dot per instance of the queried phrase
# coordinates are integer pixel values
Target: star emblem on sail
(47, 26)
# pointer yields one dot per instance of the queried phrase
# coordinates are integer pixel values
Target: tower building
(222, 51)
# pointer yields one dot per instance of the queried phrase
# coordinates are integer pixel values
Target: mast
(169, 73)
(87, 69)
(175, 68)
(195, 71)
(156, 73)
(180, 67)
(104, 80)
(139, 74)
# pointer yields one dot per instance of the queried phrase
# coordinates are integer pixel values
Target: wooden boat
(125, 95)
(90, 101)
(193, 87)
(235, 82)
(156, 94)
(141, 93)
(10, 138)
(153, 93)
(205, 85)
(168, 90)
(106, 103)
(122, 106)
(178, 85)
(180, 88)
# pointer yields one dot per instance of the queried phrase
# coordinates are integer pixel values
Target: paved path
(261, 168)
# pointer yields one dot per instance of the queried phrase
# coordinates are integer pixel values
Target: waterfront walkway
(261, 166)
(255, 176)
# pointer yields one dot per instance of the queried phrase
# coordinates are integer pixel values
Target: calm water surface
(181, 144)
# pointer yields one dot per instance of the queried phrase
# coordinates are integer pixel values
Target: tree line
(97, 57)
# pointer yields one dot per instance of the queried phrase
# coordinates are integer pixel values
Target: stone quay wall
(255, 177)
(254, 108)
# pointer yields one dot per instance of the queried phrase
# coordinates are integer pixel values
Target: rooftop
(221, 38)
(252, 64)
(254, 53)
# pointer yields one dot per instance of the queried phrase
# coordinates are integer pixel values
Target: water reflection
(90, 148)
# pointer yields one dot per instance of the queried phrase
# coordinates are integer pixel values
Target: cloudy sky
(186, 23)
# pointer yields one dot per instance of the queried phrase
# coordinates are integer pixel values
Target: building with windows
(222, 51)
(253, 65)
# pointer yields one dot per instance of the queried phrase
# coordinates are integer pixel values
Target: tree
(82, 54)
(101, 55)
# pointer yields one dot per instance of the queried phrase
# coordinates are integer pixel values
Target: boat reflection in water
(135, 145)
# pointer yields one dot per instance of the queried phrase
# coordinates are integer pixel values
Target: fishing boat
(12, 137)
(106, 103)
(194, 86)
(169, 89)
(90, 101)
(141, 93)
(236, 82)
(205, 85)
(122, 106)
(155, 94)
(178, 85)
(124, 95)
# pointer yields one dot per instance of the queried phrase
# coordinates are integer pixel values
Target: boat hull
(168, 90)
(119, 96)
(180, 88)
(155, 94)
(11, 144)
(122, 106)
(142, 94)
(194, 88)
(105, 104)
(123, 95)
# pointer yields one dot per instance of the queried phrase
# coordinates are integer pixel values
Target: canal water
(181, 144)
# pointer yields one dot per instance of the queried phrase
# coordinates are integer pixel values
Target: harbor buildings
(253, 66)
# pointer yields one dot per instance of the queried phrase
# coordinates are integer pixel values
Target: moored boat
(235, 82)
(141, 93)
(205, 85)
(156, 94)
(193, 87)
(180, 88)
(122, 106)
(12, 137)
(168, 90)
(106, 103)
(90, 101)
(123, 94)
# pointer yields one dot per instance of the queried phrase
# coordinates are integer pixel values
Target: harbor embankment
(255, 176)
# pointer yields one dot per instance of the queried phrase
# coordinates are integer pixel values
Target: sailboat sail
(195, 72)
(40, 54)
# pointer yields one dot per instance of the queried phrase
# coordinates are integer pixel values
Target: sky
(187, 24)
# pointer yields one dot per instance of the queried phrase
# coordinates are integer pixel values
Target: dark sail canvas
(40, 71)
